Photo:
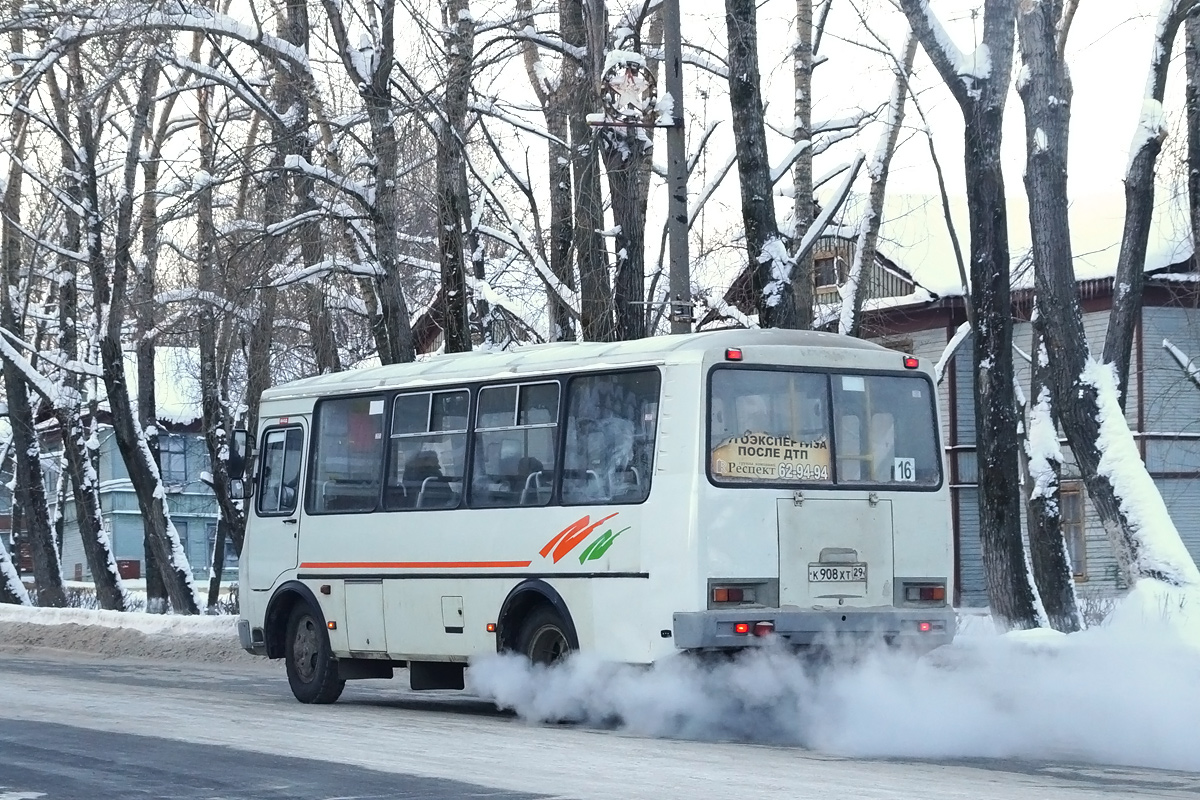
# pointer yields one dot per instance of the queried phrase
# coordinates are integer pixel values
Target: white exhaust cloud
(1111, 696)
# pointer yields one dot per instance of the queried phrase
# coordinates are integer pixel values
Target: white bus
(689, 493)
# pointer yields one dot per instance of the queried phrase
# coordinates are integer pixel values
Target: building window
(172, 451)
(825, 270)
(1070, 496)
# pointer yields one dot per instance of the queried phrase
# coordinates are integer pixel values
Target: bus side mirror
(237, 489)
(239, 445)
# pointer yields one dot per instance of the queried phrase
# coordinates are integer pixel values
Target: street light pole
(680, 301)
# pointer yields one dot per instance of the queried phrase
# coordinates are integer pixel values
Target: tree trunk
(981, 98)
(110, 286)
(12, 591)
(803, 281)
(29, 493)
(392, 327)
(625, 157)
(1074, 384)
(771, 271)
(561, 230)
(1139, 202)
(1192, 72)
(628, 153)
(596, 315)
(1042, 472)
(458, 38)
(858, 282)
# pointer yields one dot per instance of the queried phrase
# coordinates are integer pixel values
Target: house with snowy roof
(183, 458)
(1162, 406)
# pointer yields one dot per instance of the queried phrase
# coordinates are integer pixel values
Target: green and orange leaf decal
(571, 536)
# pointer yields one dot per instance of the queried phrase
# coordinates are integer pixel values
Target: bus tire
(311, 668)
(543, 638)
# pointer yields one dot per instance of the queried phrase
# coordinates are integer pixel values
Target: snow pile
(1122, 694)
(118, 634)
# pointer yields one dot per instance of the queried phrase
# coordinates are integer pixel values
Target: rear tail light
(764, 628)
(924, 627)
(741, 628)
(925, 594)
(729, 594)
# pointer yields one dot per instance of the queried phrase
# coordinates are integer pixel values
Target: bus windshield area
(792, 428)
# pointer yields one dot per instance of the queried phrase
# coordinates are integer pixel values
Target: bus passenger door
(273, 535)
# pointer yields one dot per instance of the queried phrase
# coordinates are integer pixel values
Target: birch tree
(867, 243)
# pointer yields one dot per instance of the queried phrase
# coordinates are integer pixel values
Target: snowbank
(115, 634)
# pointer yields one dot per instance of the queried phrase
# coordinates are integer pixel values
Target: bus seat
(537, 488)
(435, 493)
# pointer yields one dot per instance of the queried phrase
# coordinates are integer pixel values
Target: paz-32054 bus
(704, 492)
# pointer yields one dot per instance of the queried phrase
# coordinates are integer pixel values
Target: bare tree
(803, 280)
(1088, 406)
(371, 75)
(1139, 191)
(767, 254)
(1192, 73)
(868, 234)
(29, 495)
(453, 215)
(979, 83)
(551, 92)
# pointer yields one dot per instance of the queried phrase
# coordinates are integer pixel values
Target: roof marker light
(733, 354)
(911, 362)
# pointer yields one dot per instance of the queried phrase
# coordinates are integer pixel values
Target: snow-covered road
(382, 727)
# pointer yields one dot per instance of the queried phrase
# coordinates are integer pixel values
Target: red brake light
(911, 362)
(744, 627)
(733, 354)
(925, 627)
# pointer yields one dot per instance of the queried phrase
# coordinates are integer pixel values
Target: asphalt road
(80, 727)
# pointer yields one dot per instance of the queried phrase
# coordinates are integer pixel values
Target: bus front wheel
(543, 637)
(311, 668)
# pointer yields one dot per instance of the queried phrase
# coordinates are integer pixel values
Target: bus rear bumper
(922, 629)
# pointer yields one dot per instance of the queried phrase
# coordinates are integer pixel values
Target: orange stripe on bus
(411, 564)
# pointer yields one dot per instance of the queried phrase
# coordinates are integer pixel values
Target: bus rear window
(792, 428)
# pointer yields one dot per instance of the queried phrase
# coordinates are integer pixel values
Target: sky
(1108, 50)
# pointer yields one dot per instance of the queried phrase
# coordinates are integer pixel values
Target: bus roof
(544, 358)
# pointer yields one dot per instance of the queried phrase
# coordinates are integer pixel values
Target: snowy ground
(1123, 694)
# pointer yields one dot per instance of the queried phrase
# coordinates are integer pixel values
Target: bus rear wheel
(311, 668)
(543, 638)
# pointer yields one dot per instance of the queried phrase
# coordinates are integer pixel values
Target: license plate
(837, 573)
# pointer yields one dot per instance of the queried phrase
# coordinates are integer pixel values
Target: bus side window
(348, 455)
(516, 439)
(611, 425)
(427, 450)
(279, 481)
